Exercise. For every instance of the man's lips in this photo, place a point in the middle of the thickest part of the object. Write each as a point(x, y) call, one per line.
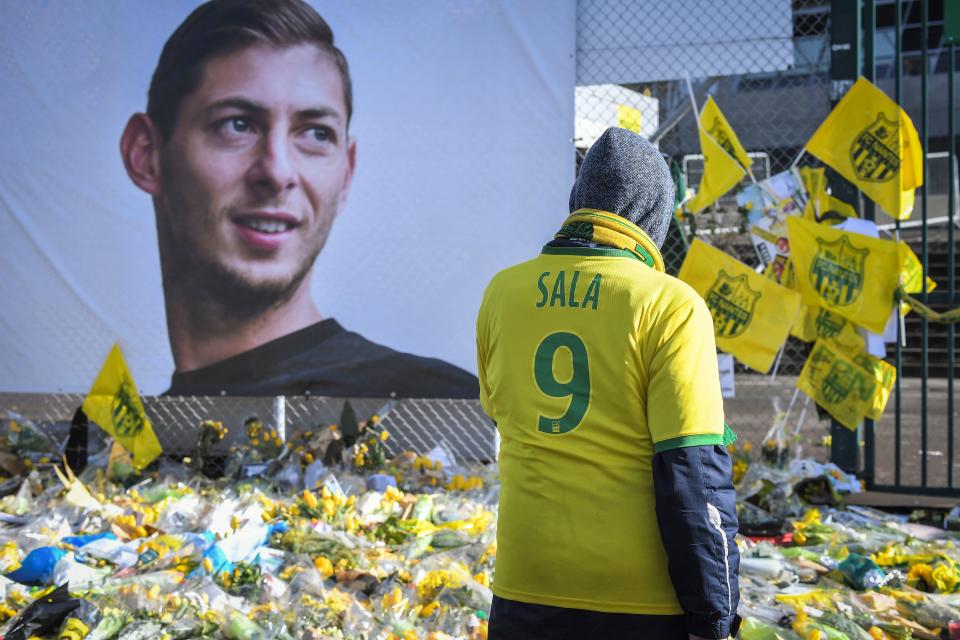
point(265, 230)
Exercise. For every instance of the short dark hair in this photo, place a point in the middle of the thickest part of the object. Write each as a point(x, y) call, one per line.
point(223, 26)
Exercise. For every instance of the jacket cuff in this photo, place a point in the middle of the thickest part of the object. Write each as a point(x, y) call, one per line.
point(713, 627)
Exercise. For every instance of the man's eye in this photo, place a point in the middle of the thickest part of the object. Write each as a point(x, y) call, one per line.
point(235, 126)
point(321, 134)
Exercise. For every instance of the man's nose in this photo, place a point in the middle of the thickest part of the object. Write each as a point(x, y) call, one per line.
point(274, 168)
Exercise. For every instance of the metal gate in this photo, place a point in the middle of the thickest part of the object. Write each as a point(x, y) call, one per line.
point(908, 48)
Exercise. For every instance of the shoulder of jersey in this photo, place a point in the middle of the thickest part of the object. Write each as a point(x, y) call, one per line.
point(506, 271)
point(667, 289)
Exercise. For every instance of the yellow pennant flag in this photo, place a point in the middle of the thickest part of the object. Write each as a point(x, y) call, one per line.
point(114, 404)
point(912, 279)
point(884, 375)
point(840, 208)
point(814, 323)
point(819, 202)
point(815, 182)
point(872, 142)
point(629, 118)
point(724, 158)
point(838, 384)
point(751, 314)
point(850, 274)
point(713, 121)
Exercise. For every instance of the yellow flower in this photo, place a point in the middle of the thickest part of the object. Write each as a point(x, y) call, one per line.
point(351, 523)
point(435, 581)
point(358, 460)
point(309, 499)
point(324, 566)
point(941, 577)
point(384, 435)
point(374, 419)
point(428, 609)
point(739, 469)
point(392, 599)
point(308, 457)
point(747, 447)
point(945, 578)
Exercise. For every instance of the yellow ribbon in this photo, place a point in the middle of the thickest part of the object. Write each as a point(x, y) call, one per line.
point(924, 311)
point(603, 227)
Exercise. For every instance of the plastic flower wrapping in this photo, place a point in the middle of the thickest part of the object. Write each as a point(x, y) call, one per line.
point(326, 536)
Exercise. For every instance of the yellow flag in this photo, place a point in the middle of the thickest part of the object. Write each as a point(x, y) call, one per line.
point(850, 274)
point(872, 142)
point(819, 202)
point(114, 404)
point(814, 323)
point(884, 375)
point(751, 314)
point(713, 121)
point(838, 384)
point(629, 118)
point(912, 279)
point(720, 174)
point(815, 182)
point(839, 207)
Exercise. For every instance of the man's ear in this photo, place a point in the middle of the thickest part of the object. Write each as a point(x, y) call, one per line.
point(348, 174)
point(140, 151)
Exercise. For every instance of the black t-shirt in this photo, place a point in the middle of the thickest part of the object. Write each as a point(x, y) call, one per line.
point(325, 359)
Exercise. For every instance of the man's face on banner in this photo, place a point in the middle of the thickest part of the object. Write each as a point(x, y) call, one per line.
point(257, 168)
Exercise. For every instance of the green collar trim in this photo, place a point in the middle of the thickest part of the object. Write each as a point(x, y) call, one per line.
point(645, 256)
point(608, 252)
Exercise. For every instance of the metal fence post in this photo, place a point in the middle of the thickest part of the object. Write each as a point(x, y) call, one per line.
point(845, 47)
point(280, 416)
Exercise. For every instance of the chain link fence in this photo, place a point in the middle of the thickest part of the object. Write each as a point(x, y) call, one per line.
point(766, 64)
point(418, 425)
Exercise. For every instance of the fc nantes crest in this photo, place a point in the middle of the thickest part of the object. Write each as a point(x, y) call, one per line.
point(829, 325)
point(836, 272)
point(842, 380)
point(731, 301)
point(127, 411)
point(875, 153)
point(719, 133)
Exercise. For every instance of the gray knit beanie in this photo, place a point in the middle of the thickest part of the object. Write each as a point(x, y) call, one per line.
point(624, 174)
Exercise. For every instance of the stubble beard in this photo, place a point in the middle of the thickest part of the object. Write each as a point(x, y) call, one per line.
point(218, 291)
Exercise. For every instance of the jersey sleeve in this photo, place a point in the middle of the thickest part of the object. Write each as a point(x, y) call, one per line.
point(684, 404)
point(482, 334)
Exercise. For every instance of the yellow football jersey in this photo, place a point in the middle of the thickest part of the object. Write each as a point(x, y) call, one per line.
point(589, 362)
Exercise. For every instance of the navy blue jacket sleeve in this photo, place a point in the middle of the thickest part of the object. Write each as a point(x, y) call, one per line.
point(696, 512)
